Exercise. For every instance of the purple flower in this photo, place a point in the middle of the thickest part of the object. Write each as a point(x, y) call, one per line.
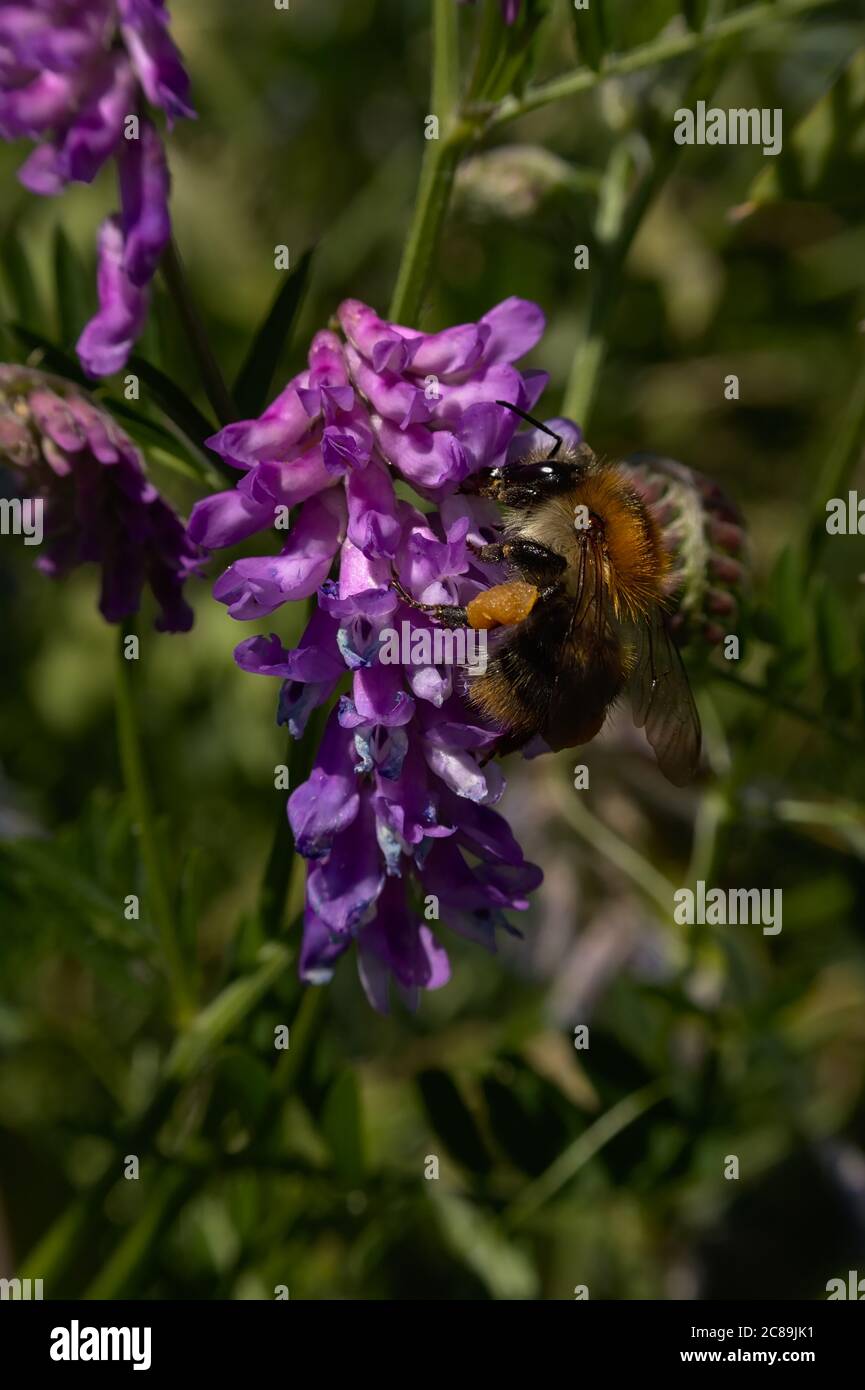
point(76, 78)
point(396, 820)
point(96, 503)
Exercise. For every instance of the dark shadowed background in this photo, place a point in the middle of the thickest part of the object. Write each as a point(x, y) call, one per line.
point(559, 1167)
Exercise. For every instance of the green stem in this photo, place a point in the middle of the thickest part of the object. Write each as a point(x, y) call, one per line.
point(135, 779)
point(617, 223)
point(212, 379)
point(445, 61)
point(617, 851)
point(815, 718)
point(582, 1150)
point(438, 169)
point(302, 1034)
point(170, 1188)
point(58, 1251)
point(614, 235)
point(647, 55)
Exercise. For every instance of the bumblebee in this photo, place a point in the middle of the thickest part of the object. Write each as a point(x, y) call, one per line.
point(584, 615)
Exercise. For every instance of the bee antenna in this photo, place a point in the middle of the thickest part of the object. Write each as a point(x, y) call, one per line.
point(530, 419)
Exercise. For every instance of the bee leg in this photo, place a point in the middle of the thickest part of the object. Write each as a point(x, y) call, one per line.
point(536, 561)
point(448, 614)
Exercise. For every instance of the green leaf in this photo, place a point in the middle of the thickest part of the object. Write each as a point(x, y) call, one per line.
point(837, 638)
point(72, 288)
point(252, 387)
point(453, 1121)
point(695, 12)
point(177, 406)
point(525, 1120)
point(177, 450)
point(787, 602)
point(20, 285)
point(591, 26)
point(823, 160)
point(60, 881)
point(497, 1261)
point(505, 54)
point(629, 25)
point(54, 359)
point(342, 1126)
point(245, 1082)
point(222, 1015)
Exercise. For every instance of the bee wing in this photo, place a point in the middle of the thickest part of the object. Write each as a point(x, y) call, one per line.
point(662, 701)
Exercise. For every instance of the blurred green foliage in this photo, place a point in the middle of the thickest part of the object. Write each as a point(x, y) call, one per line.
point(313, 1167)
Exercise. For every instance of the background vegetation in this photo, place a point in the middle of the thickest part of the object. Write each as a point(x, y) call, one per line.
point(559, 1167)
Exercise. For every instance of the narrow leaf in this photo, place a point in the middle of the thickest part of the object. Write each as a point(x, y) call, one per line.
point(18, 277)
point(695, 12)
point(71, 287)
point(342, 1126)
point(453, 1121)
point(177, 406)
point(54, 359)
point(839, 648)
point(224, 1013)
point(822, 160)
point(505, 1270)
point(252, 387)
point(592, 30)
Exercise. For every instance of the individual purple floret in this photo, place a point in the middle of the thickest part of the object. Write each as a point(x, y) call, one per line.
point(94, 500)
point(396, 820)
point(77, 77)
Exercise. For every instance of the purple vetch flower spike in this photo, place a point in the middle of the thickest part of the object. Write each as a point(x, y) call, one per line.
point(77, 79)
point(87, 479)
point(400, 772)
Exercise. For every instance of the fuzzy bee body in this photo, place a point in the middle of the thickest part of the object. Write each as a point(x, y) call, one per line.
point(567, 662)
point(584, 619)
point(544, 682)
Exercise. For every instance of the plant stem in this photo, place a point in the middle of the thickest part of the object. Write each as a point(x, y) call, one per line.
point(303, 1030)
point(617, 223)
point(647, 55)
point(816, 718)
point(55, 1254)
point(135, 778)
point(582, 1150)
point(617, 851)
point(614, 235)
point(445, 80)
point(169, 1190)
point(438, 169)
point(222, 1016)
point(57, 1251)
point(212, 379)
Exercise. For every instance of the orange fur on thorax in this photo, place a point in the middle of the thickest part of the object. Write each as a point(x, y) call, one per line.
point(636, 560)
